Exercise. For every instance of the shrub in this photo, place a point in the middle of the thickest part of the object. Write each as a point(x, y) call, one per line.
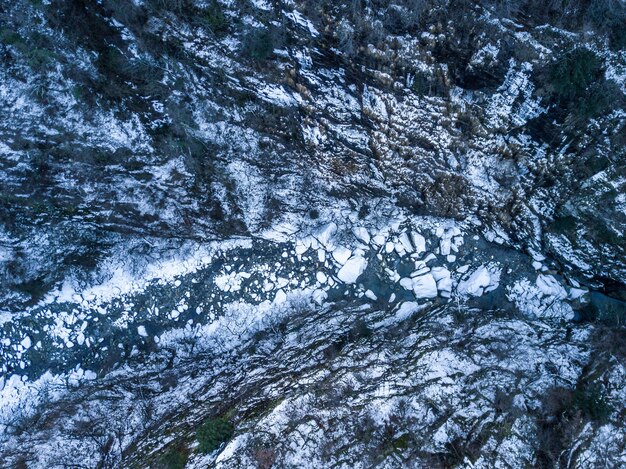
point(175, 458)
point(9, 37)
point(177, 6)
point(592, 404)
point(573, 73)
point(577, 84)
point(214, 18)
point(608, 16)
point(564, 224)
point(213, 433)
point(401, 17)
point(259, 44)
point(39, 59)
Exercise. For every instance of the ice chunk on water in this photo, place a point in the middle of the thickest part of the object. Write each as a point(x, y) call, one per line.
point(419, 242)
point(325, 233)
point(442, 277)
point(444, 247)
point(399, 248)
point(406, 243)
point(425, 286)
point(371, 295)
point(352, 269)
point(319, 296)
point(480, 281)
point(379, 240)
point(302, 246)
point(342, 254)
point(575, 293)
point(362, 234)
point(321, 255)
point(80, 338)
point(280, 297)
point(26, 342)
point(550, 286)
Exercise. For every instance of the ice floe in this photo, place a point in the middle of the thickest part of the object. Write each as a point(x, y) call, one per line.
point(352, 269)
point(481, 280)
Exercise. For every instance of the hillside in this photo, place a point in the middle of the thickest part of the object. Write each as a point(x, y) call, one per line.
point(253, 233)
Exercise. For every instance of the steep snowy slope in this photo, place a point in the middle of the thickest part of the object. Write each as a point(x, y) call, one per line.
point(355, 233)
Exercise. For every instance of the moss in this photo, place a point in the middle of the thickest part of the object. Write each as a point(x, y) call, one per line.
point(421, 85)
point(617, 37)
point(80, 92)
point(133, 165)
point(213, 433)
point(429, 84)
